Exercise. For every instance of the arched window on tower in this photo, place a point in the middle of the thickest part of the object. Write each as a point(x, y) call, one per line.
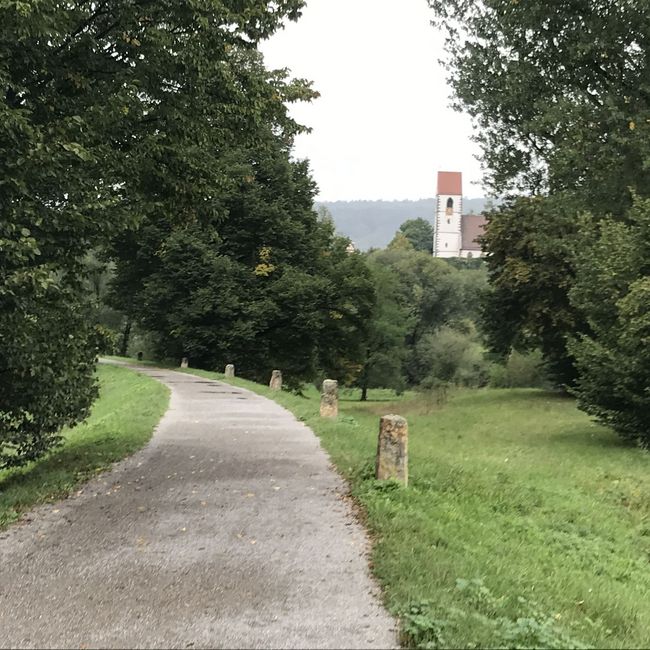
point(450, 206)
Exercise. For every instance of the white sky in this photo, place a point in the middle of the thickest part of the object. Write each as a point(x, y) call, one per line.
point(382, 127)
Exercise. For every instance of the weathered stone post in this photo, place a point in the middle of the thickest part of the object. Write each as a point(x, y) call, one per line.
point(276, 380)
point(185, 363)
point(329, 399)
point(392, 449)
point(230, 371)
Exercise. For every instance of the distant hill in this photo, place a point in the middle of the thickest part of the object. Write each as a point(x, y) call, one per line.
point(372, 224)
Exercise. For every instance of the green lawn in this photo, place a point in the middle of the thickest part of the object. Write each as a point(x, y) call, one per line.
point(122, 421)
point(524, 525)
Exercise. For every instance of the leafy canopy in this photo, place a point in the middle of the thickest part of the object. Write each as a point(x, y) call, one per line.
point(560, 93)
point(110, 112)
point(612, 288)
point(420, 233)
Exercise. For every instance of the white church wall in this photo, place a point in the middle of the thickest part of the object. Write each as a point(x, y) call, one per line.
point(447, 234)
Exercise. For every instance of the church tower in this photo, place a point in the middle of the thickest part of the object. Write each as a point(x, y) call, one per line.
point(447, 231)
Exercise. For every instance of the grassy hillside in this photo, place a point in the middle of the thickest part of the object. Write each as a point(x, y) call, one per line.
point(372, 224)
point(525, 525)
point(122, 421)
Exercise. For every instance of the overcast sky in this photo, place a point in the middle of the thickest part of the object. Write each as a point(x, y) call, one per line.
point(382, 127)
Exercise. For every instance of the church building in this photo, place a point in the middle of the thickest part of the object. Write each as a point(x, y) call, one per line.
point(455, 234)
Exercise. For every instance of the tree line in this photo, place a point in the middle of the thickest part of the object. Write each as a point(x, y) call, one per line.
point(148, 187)
point(142, 136)
point(560, 95)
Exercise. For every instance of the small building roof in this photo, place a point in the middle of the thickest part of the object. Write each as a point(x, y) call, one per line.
point(471, 228)
point(450, 183)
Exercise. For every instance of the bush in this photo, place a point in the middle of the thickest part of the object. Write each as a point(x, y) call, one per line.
point(520, 371)
point(453, 355)
point(47, 353)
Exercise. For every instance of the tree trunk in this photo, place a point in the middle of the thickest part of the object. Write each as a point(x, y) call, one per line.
point(126, 335)
point(364, 393)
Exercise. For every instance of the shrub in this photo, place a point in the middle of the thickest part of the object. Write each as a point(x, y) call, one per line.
point(519, 371)
point(47, 353)
point(453, 355)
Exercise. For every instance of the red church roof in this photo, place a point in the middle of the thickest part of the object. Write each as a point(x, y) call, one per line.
point(450, 183)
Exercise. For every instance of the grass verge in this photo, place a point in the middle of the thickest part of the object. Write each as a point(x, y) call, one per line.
point(525, 525)
point(122, 421)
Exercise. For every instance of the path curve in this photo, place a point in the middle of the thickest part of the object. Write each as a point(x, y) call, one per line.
point(229, 530)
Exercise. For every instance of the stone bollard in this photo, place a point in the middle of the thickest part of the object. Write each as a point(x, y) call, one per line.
point(329, 399)
point(276, 380)
point(185, 363)
point(230, 371)
point(392, 450)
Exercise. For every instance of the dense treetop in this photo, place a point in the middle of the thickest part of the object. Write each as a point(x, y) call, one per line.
point(560, 93)
point(111, 112)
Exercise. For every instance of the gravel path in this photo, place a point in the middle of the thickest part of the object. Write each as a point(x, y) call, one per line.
point(229, 530)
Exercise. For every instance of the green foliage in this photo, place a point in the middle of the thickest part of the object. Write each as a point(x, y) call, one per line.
point(527, 630)
point(416, 296)
point(532, 244)
point(558, 91)
point(386, 340)
point(122, 421)
point(519, 371)
point(613, 288)
point(106, 340)
point(400, 243)
point(420, 630)
point(269, 287)
point(452, 355)
point(420, 233)
point(47, 353)
point(110, 113)
point(560, 96)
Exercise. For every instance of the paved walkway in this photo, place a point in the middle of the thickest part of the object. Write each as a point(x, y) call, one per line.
point(228, 530)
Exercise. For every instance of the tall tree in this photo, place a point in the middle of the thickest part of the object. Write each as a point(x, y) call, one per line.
point(612, 288)
point(431, 293)
point(385, 347)
point(109, 112)
point(420, 233)
point(560, 93)
point(533, 243)
point(267, 285)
